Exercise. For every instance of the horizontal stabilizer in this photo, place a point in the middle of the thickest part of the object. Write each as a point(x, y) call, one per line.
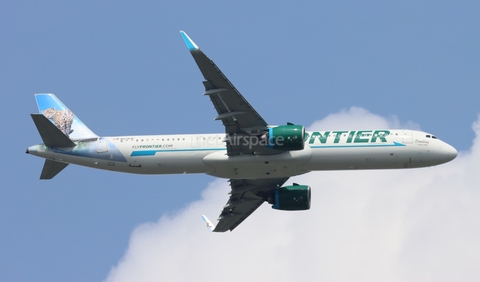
point(51, 135)
point(51, 168)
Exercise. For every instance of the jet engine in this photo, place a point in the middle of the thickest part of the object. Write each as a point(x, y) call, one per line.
point(288, 137)
point(291, 198)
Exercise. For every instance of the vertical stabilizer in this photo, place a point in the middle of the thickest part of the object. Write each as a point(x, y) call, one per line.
point(64, 119)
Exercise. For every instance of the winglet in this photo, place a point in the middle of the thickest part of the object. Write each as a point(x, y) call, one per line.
point(209, 224)
point(190, 44)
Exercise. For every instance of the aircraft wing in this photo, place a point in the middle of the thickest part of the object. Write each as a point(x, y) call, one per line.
point(236, 114)
point(245, 197)
point(239, 118)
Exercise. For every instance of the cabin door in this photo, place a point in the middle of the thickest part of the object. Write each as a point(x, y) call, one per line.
point(102, 145)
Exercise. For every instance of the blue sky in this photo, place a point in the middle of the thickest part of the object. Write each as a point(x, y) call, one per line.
point(123, 68)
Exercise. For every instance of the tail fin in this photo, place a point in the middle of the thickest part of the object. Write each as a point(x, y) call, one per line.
point(64, 119)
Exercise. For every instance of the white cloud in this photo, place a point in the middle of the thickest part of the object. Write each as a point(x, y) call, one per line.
point(356, 118)
point(395, 225)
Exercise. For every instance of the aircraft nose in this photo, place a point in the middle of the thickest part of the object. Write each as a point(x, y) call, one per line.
point(449, 152)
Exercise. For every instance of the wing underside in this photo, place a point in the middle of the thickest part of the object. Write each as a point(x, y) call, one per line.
point(245, 197)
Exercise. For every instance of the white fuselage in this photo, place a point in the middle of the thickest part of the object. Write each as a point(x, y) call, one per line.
point(206, 153)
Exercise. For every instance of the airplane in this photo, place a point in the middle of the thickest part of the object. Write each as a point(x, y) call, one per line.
point(256, 157)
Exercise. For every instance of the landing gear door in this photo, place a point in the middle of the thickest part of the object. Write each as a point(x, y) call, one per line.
point(102, 145)
point(407, 137)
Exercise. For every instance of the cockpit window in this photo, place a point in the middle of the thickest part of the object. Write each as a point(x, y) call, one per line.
point(428, 136)
point(434, 137)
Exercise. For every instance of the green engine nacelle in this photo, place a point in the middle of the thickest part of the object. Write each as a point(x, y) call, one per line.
point(292, 198)
point(286, 137)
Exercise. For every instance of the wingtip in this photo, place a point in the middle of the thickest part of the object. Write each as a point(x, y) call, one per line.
point(188, 41)
point(209, 224)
